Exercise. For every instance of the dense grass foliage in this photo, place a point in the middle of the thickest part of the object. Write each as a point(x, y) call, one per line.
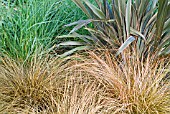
point(48, 85)
point(128, 73)
point(26, 26)
point(84, 85)
point(139, 87)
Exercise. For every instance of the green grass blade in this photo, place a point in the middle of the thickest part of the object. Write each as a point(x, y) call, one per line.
point(80, 5)
point(125, 45)
point(128, 17)
point(95, 10)
point(135, 32)
point(73, 51)
point(161, 17)
point(70, 43)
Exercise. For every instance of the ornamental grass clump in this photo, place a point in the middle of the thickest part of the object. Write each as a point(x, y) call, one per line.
point(95, 83)
point(33, 86)
point(50, 85)
point(140, 87)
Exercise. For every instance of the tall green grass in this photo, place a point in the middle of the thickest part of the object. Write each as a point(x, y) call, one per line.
point(28, 26)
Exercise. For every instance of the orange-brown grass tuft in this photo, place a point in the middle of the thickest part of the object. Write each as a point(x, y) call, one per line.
point(31, 86)
point(47, 85)
point(87, 85)
point(140, 87)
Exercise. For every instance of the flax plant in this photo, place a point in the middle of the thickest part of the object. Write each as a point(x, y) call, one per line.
point(117, 24)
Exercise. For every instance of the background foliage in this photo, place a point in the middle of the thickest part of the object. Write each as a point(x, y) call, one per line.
point(32, 24)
